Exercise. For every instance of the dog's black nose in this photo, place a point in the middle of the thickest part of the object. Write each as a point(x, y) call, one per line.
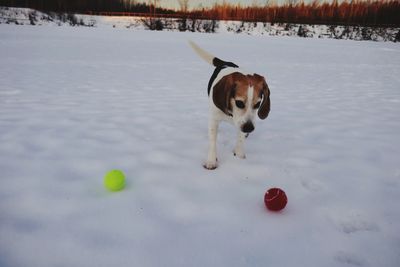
point(248, 127)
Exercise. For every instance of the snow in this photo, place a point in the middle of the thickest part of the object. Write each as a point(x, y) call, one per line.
point(77, 102)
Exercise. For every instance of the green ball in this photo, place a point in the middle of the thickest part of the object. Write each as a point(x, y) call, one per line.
point(114, 180)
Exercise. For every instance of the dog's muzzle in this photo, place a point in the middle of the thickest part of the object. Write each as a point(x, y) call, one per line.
point(248, 127)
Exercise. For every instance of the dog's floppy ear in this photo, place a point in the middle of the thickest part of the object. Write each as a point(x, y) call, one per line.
point(265, 107)
point(223, 91)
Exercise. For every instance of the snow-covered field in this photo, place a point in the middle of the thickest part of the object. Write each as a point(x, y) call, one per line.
point(77, 102)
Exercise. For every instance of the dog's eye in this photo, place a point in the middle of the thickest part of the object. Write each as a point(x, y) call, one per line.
point(239, 104)
point(256, 106)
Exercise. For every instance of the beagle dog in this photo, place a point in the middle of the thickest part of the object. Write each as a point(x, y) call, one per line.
point(235, 96)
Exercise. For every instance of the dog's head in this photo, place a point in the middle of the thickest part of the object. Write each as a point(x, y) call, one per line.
point(242, 96)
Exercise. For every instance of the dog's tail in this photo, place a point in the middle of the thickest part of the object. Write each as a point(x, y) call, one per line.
point(210, 58)
point(202, 53)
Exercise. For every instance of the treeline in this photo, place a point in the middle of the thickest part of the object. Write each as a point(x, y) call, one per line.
point(353, 12)
point(85, 6)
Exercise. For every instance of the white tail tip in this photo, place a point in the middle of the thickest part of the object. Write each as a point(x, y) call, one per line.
point(202, 53)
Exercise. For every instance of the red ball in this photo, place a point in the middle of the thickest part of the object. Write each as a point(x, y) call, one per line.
point(275, 199)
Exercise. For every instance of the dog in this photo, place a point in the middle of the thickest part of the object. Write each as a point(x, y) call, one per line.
point(235, 96)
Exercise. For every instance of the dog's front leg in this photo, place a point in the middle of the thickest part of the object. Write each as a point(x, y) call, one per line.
point(211, 162)
point(239, 150)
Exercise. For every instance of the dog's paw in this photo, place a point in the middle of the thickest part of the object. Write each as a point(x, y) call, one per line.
point(239, 153)
point(210, 165)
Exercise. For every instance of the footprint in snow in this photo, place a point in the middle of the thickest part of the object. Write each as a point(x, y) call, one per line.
point(348, 258)
point(312, 185)
point(355, 223)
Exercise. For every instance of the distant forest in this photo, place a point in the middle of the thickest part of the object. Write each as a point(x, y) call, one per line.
point(354, 12)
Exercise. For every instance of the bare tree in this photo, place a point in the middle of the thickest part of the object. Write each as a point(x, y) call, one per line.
point(129, 3)
point(153, 6)
point(184, 5)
